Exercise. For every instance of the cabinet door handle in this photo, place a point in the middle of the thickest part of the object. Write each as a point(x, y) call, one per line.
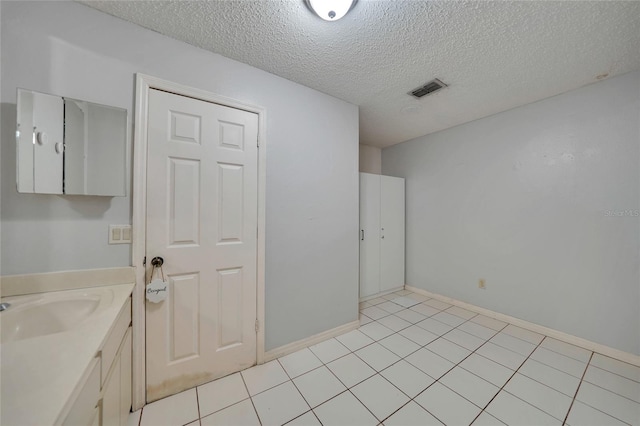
point(362, 235)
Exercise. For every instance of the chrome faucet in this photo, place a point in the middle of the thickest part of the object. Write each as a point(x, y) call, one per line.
point(4, 306)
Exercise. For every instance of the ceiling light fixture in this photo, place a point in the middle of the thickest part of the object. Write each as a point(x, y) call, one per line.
point(330, 10)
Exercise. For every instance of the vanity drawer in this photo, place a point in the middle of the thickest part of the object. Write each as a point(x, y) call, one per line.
point(112, 343)
point(83, 409)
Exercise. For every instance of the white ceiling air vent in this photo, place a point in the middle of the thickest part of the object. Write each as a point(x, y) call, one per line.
point(428, 88)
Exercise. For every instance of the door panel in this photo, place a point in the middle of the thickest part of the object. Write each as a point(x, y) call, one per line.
point(184, 316)
point(229, 307)
point(369, 234)
point(202, 219)
point(184, 187)
point(391, 233)
point(231, 186)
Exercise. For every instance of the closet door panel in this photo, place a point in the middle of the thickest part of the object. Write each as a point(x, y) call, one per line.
point(391, 233)
point(369, 234)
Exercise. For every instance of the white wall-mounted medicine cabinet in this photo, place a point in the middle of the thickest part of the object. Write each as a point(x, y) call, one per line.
point(69, 146)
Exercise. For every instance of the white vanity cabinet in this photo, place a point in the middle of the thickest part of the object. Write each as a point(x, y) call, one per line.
point(116, 394)
point(104, 398)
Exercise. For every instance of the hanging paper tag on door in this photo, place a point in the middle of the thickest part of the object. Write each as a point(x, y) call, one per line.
point(156, 291)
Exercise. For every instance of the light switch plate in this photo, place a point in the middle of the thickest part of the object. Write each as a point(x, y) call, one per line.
point(120, 234)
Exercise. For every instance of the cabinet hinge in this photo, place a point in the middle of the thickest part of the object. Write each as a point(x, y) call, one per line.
point(257, 326)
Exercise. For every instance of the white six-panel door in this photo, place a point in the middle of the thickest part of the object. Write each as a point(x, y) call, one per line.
point(202, 220)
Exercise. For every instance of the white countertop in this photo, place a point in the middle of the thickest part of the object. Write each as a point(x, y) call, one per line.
point(39, 375)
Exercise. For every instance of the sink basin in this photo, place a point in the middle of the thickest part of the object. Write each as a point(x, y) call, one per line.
point(49, 313)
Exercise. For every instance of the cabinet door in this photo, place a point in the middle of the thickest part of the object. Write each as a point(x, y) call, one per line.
point(391, 233)
point(116, 399)
point(84, 407)
point(125, 378)
point(96, 417)
point(48, 118)
point(111, 397)
point(369, 234)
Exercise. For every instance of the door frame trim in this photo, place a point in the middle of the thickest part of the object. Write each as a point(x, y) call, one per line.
point(139, 196)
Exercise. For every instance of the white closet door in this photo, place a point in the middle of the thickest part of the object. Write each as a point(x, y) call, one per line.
point(369, 234)
point(391, 233)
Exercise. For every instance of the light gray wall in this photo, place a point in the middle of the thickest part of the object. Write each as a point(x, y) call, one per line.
point(529, 199)
point(69, 49)
point(370, 159)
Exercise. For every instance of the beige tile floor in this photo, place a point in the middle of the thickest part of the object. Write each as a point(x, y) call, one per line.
point(417, 361)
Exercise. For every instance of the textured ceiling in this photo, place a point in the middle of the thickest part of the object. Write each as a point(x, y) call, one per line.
point(494, 55)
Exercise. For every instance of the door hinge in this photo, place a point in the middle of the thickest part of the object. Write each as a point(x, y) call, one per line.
point(257, 325)
point(144, 261)
point(258, 142)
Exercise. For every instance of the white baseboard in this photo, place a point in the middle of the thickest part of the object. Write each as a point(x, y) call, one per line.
point(565, 337)
point(310, 341)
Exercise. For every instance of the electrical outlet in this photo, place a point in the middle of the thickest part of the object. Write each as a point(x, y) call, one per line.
point(119, 234)
point(481, 283)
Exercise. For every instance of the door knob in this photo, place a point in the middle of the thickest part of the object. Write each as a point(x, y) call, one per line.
point(157, 262)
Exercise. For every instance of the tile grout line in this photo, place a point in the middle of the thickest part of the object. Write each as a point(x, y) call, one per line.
point(250, 398)
point(424, 347)
point(609, 390)
point(461, 361)
point(581, 379)
point(539, 344)
point(554, 368)
point(348, 389)
point(444, 336)
point(412, 399)
point(496, 332)
point(438, 336)
point(596, 385)
point(377, 341)
point(373, 341)
point(298, 389)
point(612, 392)
point(611, 372)
point(565, 355)
point(544, 384)
point(584, 373)
point(544, 337)
point(353, 352)
point(376, 372)
point(508, 380)
point(197, 404)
